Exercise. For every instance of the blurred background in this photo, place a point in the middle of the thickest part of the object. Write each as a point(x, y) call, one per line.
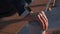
point(12, 24)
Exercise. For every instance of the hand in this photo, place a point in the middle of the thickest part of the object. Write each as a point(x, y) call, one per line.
point(43, 20)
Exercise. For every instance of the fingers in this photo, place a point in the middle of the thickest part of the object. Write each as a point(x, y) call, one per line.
point(43, 20)
point(44, 16)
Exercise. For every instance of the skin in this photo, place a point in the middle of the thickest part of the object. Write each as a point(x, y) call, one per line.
point(41, 17)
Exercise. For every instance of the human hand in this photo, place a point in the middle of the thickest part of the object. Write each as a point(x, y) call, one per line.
point(43, 20)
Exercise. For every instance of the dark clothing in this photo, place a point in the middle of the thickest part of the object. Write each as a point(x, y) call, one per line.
point(20, 5)
point(10, 7)
point(33, 27)
point(6, 8)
